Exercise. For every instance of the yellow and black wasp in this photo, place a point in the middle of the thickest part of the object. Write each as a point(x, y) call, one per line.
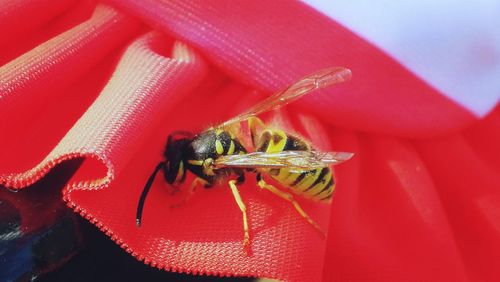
point(217, 154)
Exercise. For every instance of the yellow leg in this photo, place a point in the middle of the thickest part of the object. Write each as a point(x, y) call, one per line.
point(197, 181)
point(241, 205)
point(253, 122)
point(288, 197)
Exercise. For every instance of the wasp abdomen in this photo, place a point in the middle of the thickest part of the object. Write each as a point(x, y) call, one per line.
point(317, 184)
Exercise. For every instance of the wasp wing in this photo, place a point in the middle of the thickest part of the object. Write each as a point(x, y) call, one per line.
point(314, 81)
point(299, 160)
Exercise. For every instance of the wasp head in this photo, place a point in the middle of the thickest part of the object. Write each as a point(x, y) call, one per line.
point(174, 168)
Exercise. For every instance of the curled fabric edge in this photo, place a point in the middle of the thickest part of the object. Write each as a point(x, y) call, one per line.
point(106, 117)
point(144, 86)
point(132, 105)
point(28, 75)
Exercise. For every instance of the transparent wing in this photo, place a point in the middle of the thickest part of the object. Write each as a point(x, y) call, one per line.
point(320, 79)
point(300, 160)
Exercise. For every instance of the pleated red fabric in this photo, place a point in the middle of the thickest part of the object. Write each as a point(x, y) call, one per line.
point(108, 82)
point(269, 44)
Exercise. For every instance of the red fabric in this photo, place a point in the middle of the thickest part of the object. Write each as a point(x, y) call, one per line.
point(269, 44)
point(111, 90)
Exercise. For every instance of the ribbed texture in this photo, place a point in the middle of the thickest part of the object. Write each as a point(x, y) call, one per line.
point(269, 44)
point(127, 105)
point(68, 55)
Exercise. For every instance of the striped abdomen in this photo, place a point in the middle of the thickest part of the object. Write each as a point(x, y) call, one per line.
point(316, 184)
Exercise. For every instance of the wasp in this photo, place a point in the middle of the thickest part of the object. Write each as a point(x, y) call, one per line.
point(217, 154)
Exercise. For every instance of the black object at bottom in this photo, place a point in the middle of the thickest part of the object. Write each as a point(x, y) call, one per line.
point(103, 260)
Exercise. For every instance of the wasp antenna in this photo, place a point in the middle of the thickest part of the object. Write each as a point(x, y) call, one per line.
point(145, 192)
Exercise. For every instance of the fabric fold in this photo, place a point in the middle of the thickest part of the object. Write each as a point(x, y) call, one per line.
point(108, 131)
point(204, 235)
point(390, 200)
point(269, 44)
point(43, 76)
point(20, 17)
point(418, 197)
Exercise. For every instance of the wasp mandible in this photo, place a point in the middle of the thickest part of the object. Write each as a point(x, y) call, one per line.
point(217, 154)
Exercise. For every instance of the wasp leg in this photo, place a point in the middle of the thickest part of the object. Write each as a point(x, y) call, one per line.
point(288, 197)
point(253, 123)
point(241, 205)
point(197, 181)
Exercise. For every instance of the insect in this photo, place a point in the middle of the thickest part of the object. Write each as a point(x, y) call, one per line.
point(217, 154)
